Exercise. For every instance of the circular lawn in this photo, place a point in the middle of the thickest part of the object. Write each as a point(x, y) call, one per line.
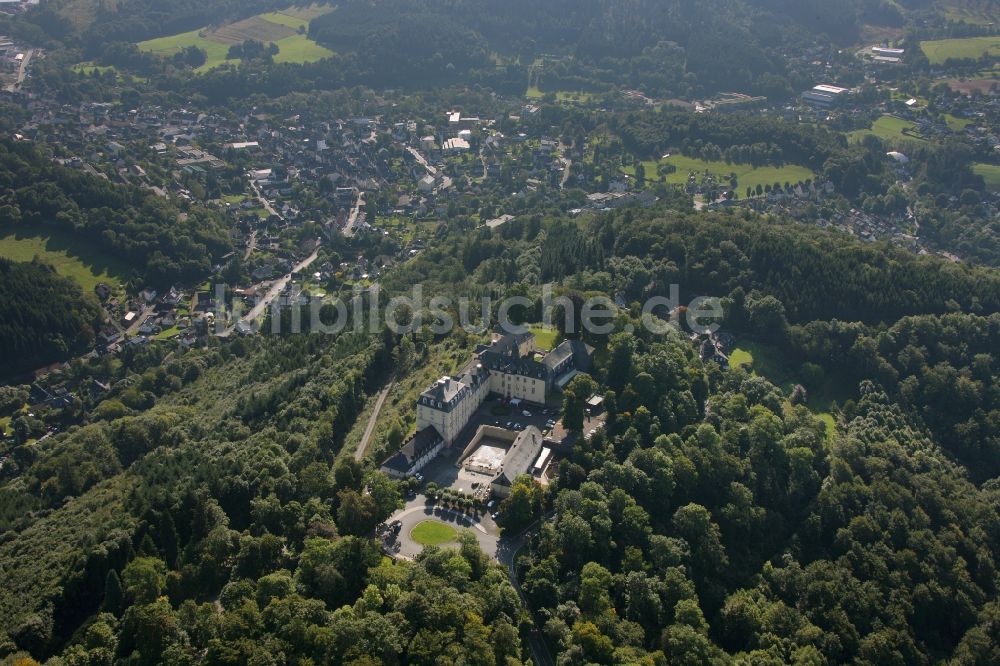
point(433, 533)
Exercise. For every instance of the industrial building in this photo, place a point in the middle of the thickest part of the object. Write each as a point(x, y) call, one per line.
point(824, 95)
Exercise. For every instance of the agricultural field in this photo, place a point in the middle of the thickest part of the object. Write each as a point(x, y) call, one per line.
point(281, 28)
point(71, 258)
point(746, 174)
point(983, 85)
point(938, 51)
point(990, 174)
point(887, 128)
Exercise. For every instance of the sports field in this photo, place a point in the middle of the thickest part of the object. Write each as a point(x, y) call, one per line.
point(70, 257)
point(940, 50)
point(281, 28)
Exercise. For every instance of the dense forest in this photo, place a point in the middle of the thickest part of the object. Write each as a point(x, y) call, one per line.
point(43, 317)
point(164, 244)
point(668, 49)
point(718, 45)
point(205, 508)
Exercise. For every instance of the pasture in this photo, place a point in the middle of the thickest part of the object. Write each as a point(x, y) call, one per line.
point(888, 128)
point(281, 28)
point(70, 256)
point(746, 174)
point(940, 50)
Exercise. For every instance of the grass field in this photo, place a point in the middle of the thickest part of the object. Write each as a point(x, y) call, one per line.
point(300, 49)
point(277, 27)
point(746, 175)
point(545, 338)
point(167, 46)
point(938, 51)
point(990, 174)
point(765, 361)
point(534, 92)
point(956, 124)
point(70, 257)
point(887, 128)
point(4, 424)
point(294, 17)
point(768, 362)
point(433, 533)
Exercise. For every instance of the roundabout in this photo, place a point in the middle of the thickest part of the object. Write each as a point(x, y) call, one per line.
point(423, 523)
point(433, 533)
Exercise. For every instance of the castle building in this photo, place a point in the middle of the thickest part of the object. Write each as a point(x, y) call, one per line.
point(510, 367)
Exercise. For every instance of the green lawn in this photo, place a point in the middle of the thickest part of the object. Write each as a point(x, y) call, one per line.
point(887, 128)
point(990, 174)
point(740, 358)
point(71, 257)
point(938, 51)
point(4, 424)
point(433, 533)
point(746, 174)
point(545, 338)
point(167, 333)
point(956, 124)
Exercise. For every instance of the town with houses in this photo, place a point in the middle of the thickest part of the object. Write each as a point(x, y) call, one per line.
point(295, 184)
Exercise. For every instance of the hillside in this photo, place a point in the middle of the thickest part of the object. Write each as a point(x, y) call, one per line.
point(132, 225)
point(647, 44)
point(43, 317)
